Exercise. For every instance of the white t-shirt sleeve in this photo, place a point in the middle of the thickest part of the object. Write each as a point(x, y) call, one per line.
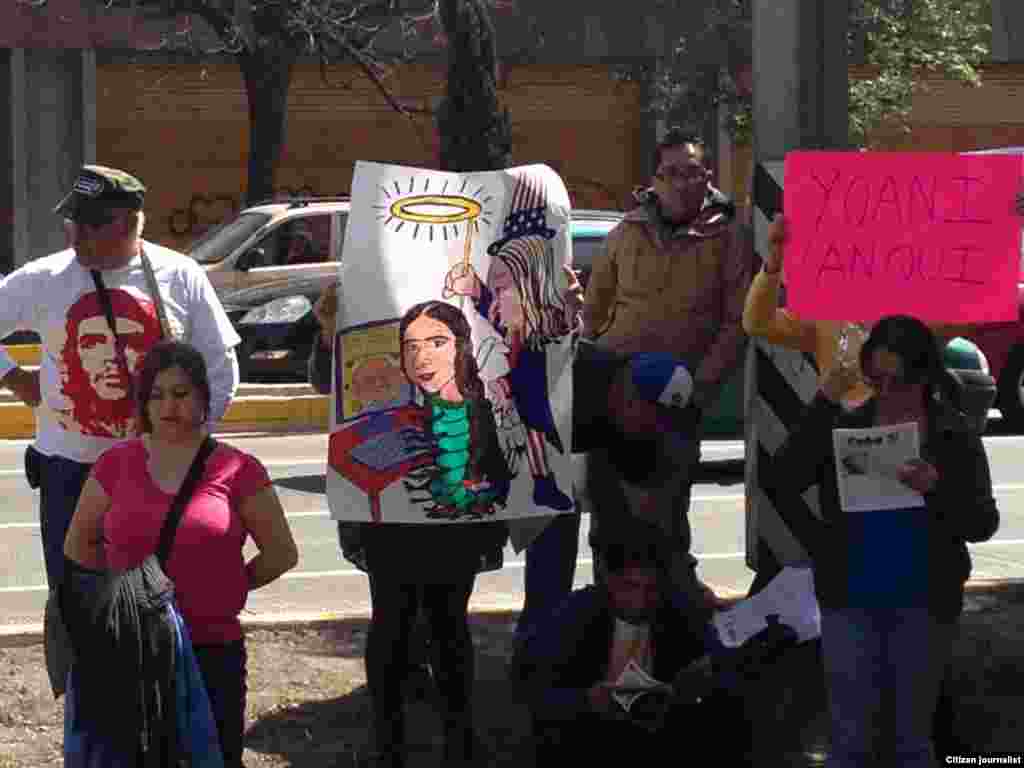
point(17, 298)
point(211, 332)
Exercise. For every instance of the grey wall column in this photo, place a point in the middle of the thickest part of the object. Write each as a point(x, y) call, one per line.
point(801, 101)
point(1007, 30)
point(51, 114)
point(6, 161)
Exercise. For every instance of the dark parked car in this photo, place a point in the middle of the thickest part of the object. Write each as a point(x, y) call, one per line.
point(277, 326)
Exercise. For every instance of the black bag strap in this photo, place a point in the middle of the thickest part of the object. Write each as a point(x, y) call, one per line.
point(188, 486)
point(108, 312)
point(154, 289)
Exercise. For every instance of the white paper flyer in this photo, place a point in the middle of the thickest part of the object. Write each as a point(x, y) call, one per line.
point(790, 596)
point(868, 463)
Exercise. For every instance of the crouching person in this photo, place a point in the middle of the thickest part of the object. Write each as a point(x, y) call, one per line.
point(573, 664)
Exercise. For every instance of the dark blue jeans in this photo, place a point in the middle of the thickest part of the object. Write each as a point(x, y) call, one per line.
point(224, 670)
point(550, 569)
point(60, 482)
point(882, 673)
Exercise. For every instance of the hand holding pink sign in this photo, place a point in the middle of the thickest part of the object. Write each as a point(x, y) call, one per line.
point(925, 234)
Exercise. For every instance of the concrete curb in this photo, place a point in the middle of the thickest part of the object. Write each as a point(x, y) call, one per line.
point(31, 634)
point(24, 354)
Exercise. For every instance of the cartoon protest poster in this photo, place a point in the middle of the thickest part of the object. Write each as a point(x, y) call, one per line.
point(452, 382)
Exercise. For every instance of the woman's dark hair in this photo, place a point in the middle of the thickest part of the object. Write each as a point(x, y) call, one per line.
point(918, 348)
point(165, 355)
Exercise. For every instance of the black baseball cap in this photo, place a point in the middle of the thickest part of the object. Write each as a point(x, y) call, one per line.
point(97, 188)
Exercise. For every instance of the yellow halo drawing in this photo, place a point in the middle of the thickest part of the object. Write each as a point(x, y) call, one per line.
point(436, 209)
point(416, 205)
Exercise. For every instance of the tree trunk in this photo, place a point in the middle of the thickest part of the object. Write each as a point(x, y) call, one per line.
point(267, 72)
point(475, 132)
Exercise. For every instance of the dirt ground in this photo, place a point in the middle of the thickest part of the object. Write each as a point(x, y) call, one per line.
point(308, 706)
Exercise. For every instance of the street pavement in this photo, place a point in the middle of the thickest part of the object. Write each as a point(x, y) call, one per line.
point(323, 585)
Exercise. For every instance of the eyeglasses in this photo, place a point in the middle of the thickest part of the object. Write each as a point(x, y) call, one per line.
point(889, 381)
point(687, 176)
point(92, 218)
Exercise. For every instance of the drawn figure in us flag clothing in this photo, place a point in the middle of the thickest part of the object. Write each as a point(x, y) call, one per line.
point(92, 378)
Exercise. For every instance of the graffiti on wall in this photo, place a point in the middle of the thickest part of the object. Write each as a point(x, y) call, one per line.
point(205, 210)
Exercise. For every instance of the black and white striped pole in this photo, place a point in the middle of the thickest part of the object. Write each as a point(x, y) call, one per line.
point(800, 102)
point(778, 383)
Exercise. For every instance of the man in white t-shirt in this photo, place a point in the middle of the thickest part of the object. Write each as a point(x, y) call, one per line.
point(82, 391)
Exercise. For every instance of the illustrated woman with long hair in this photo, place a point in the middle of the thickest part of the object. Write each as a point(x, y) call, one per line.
point(469, 474)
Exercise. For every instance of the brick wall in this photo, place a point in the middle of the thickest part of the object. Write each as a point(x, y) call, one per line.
point(183, 128)
point(948, 116)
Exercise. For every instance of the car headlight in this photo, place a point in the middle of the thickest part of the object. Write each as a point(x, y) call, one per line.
point(287, 309)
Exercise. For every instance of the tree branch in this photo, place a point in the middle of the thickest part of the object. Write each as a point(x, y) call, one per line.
point(367, 66)
point(219, 21)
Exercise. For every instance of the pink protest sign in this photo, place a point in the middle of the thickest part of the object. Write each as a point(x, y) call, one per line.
point(925, 234)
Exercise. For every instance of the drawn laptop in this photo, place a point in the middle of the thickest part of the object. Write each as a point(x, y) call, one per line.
point(387, 450)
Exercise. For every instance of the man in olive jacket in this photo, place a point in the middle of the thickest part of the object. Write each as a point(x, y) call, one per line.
point(672, 279)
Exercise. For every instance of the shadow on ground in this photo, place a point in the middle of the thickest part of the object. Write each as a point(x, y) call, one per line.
point(787, 707)
point(304, 483)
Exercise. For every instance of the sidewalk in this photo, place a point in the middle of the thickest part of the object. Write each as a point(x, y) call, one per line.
point(788, 704)
point(308, 705)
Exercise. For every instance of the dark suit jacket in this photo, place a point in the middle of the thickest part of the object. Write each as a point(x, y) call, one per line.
point(568, 652)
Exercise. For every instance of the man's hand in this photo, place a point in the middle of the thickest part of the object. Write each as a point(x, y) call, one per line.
point(633, 416)
point(24, 384)
point(574, 293)
point(919, 475)
point(777, 236)
point(713, 601)
point(599, 696)
point(326, 312)
point(840, 380)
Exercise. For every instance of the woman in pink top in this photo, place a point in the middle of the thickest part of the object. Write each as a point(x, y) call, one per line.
point(126, 498)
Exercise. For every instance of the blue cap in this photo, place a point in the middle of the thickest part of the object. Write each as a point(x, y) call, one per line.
point(661, 378)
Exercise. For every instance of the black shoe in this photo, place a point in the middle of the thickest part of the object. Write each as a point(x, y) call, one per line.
point(460, 747)
point(389, 737)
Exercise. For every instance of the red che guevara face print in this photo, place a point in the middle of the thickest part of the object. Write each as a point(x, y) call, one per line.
point(93, 381)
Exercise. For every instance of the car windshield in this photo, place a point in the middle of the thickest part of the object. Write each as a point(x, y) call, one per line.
point(224, 239)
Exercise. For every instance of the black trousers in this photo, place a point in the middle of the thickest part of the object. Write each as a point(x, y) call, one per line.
point(387, 649)
point(224, 669)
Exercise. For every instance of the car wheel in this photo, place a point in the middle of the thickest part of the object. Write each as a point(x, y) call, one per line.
point(1011, 390)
